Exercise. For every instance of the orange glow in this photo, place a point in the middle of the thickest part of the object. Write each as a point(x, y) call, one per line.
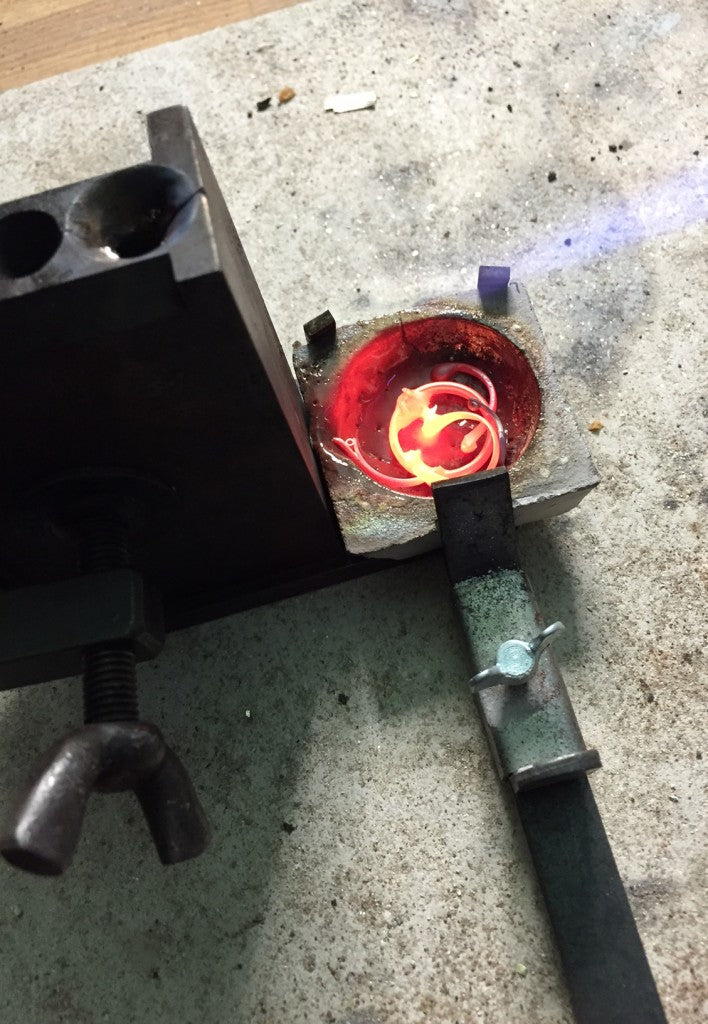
point(416, 416)
point(413, 405)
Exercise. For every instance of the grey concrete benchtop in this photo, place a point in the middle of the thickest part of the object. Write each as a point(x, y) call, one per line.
point(568, 139)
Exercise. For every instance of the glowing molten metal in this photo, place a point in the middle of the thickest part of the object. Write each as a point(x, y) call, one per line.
point(419, 434)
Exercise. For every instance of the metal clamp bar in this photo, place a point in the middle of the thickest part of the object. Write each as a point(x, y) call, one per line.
point(532, 729)
point(45, 629)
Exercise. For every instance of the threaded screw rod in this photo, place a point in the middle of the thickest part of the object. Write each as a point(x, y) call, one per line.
point(110, 677)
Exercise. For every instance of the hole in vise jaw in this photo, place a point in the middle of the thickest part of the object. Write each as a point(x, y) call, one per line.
point(28, 240)
point(134, 211)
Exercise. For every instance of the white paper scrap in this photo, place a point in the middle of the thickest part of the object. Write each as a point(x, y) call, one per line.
point(343, 102)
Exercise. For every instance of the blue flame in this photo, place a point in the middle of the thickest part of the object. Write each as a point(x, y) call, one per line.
point(665, 208)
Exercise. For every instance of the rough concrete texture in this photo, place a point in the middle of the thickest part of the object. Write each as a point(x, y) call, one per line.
point(399, 891)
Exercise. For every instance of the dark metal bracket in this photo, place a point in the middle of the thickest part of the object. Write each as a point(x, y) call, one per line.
point(531, 726)
point(44, 630)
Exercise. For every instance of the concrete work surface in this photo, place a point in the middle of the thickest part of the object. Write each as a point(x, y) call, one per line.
point(366, 865)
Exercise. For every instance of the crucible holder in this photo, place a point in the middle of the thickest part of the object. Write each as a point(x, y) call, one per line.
point(550, 476)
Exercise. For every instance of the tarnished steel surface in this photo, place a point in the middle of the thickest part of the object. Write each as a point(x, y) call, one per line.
point(44, 829)
point(551, 477)
point(532, 728)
